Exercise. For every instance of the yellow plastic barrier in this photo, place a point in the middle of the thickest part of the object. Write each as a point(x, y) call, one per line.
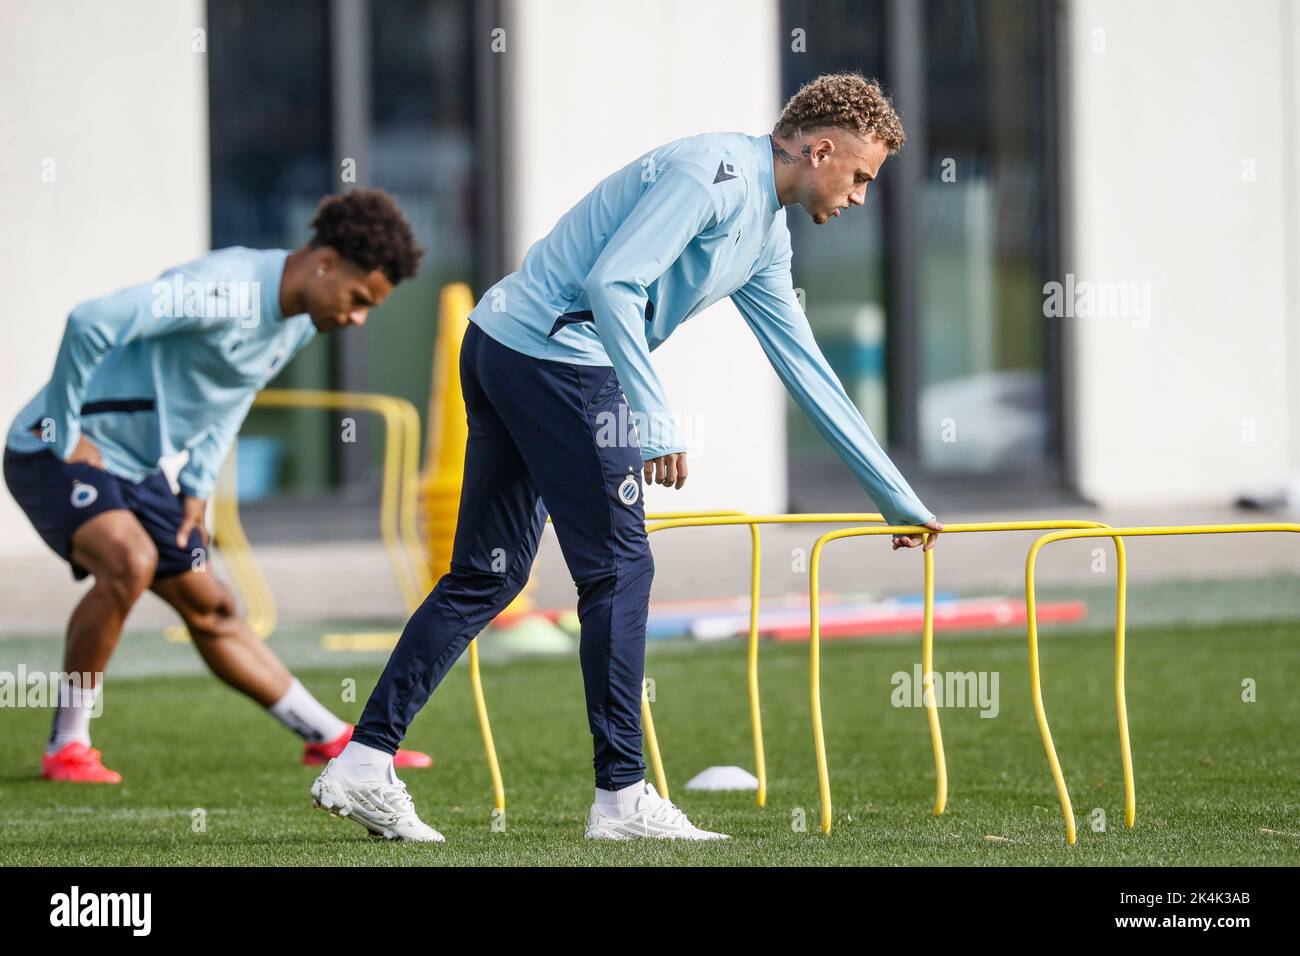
point(1090, 529)
point(229, 533)
point(397, 497)
point(705, 519)
point(396, 507)
point(1035, 680)
point(647, 716)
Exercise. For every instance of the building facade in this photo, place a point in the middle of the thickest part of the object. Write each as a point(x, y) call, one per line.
point(1078, 279)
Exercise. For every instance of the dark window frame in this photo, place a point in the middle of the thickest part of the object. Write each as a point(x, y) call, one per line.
point(905, 76)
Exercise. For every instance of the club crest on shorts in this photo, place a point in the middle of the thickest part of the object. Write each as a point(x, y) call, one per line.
point(83, 495)
point(629, 491)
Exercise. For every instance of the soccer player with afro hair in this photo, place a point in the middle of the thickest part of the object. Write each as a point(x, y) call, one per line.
point(166, 371)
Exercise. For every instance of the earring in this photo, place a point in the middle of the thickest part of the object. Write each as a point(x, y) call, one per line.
point(320, 272)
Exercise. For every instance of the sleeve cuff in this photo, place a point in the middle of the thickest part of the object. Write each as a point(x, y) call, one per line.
point(67, 445)
point(192, 490)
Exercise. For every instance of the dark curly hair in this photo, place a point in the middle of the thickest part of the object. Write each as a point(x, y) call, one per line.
point(845, 100)
point(365, 227)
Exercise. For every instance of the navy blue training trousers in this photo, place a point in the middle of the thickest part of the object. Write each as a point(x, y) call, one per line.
point(542, 436)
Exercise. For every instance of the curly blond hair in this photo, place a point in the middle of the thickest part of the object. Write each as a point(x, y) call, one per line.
point(848, 101)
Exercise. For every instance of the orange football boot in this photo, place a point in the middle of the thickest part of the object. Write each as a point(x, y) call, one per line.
point(77, 763)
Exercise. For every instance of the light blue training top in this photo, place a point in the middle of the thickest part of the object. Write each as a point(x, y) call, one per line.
point(658, 241)
point(167, 366)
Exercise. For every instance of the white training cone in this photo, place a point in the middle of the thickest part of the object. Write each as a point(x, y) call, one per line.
point(723, 778)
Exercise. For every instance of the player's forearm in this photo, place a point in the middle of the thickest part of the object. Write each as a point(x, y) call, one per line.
point(199, 475)
point(819, 392)
point(770, 309)
point(880, 478)
point(615, 308)
point(814, 386)
point(197, 483)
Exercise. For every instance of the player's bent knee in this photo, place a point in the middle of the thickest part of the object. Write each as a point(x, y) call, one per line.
point(642, 566)
point(215, 616)
point(128, 569)
point(465, 587)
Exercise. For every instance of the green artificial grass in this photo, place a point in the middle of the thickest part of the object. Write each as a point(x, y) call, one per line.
point(1215, 775)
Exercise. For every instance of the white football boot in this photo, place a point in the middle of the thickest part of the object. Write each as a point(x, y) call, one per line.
point(385, 809)
point(654, 818)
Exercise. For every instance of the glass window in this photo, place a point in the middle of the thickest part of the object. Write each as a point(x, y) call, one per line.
point(840, 266)
point(972, 232)
point(271, 148)
point(983, 404)
point(284, 78)
point(422, 151)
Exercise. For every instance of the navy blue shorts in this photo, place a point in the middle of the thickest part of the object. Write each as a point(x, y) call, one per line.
point(58, 497)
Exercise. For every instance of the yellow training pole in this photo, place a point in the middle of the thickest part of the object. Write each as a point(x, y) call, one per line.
point(1121, 695)
point(485, 729)
point(1035, 683)
point(819, 740)
point(1036, 695)
point(652, 742)
point(228, 534)
point(409, 500)
point(815, 670)
point(751, 666)
point(927, 683)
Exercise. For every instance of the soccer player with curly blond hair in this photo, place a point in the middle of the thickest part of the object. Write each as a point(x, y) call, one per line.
point(166, 371)
point(557, 359)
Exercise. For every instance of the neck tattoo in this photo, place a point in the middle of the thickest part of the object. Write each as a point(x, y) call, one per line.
point(781, 156)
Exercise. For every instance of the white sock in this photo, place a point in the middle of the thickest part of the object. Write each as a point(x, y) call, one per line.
point(306, 716)
point(71, 715)
point(619, 803)
point(366, 763)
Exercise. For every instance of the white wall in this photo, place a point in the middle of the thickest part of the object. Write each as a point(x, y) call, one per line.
point(593, 85)
point(1166, 120)
point(1290, 38)
point(113, 95)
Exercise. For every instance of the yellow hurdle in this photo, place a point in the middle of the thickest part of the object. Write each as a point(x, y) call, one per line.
point(229, 533)
point(396, 506)
point(1093, 529)
point(647, 715)
point(665, 521)
point(403, 546)
point(1035, 681)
